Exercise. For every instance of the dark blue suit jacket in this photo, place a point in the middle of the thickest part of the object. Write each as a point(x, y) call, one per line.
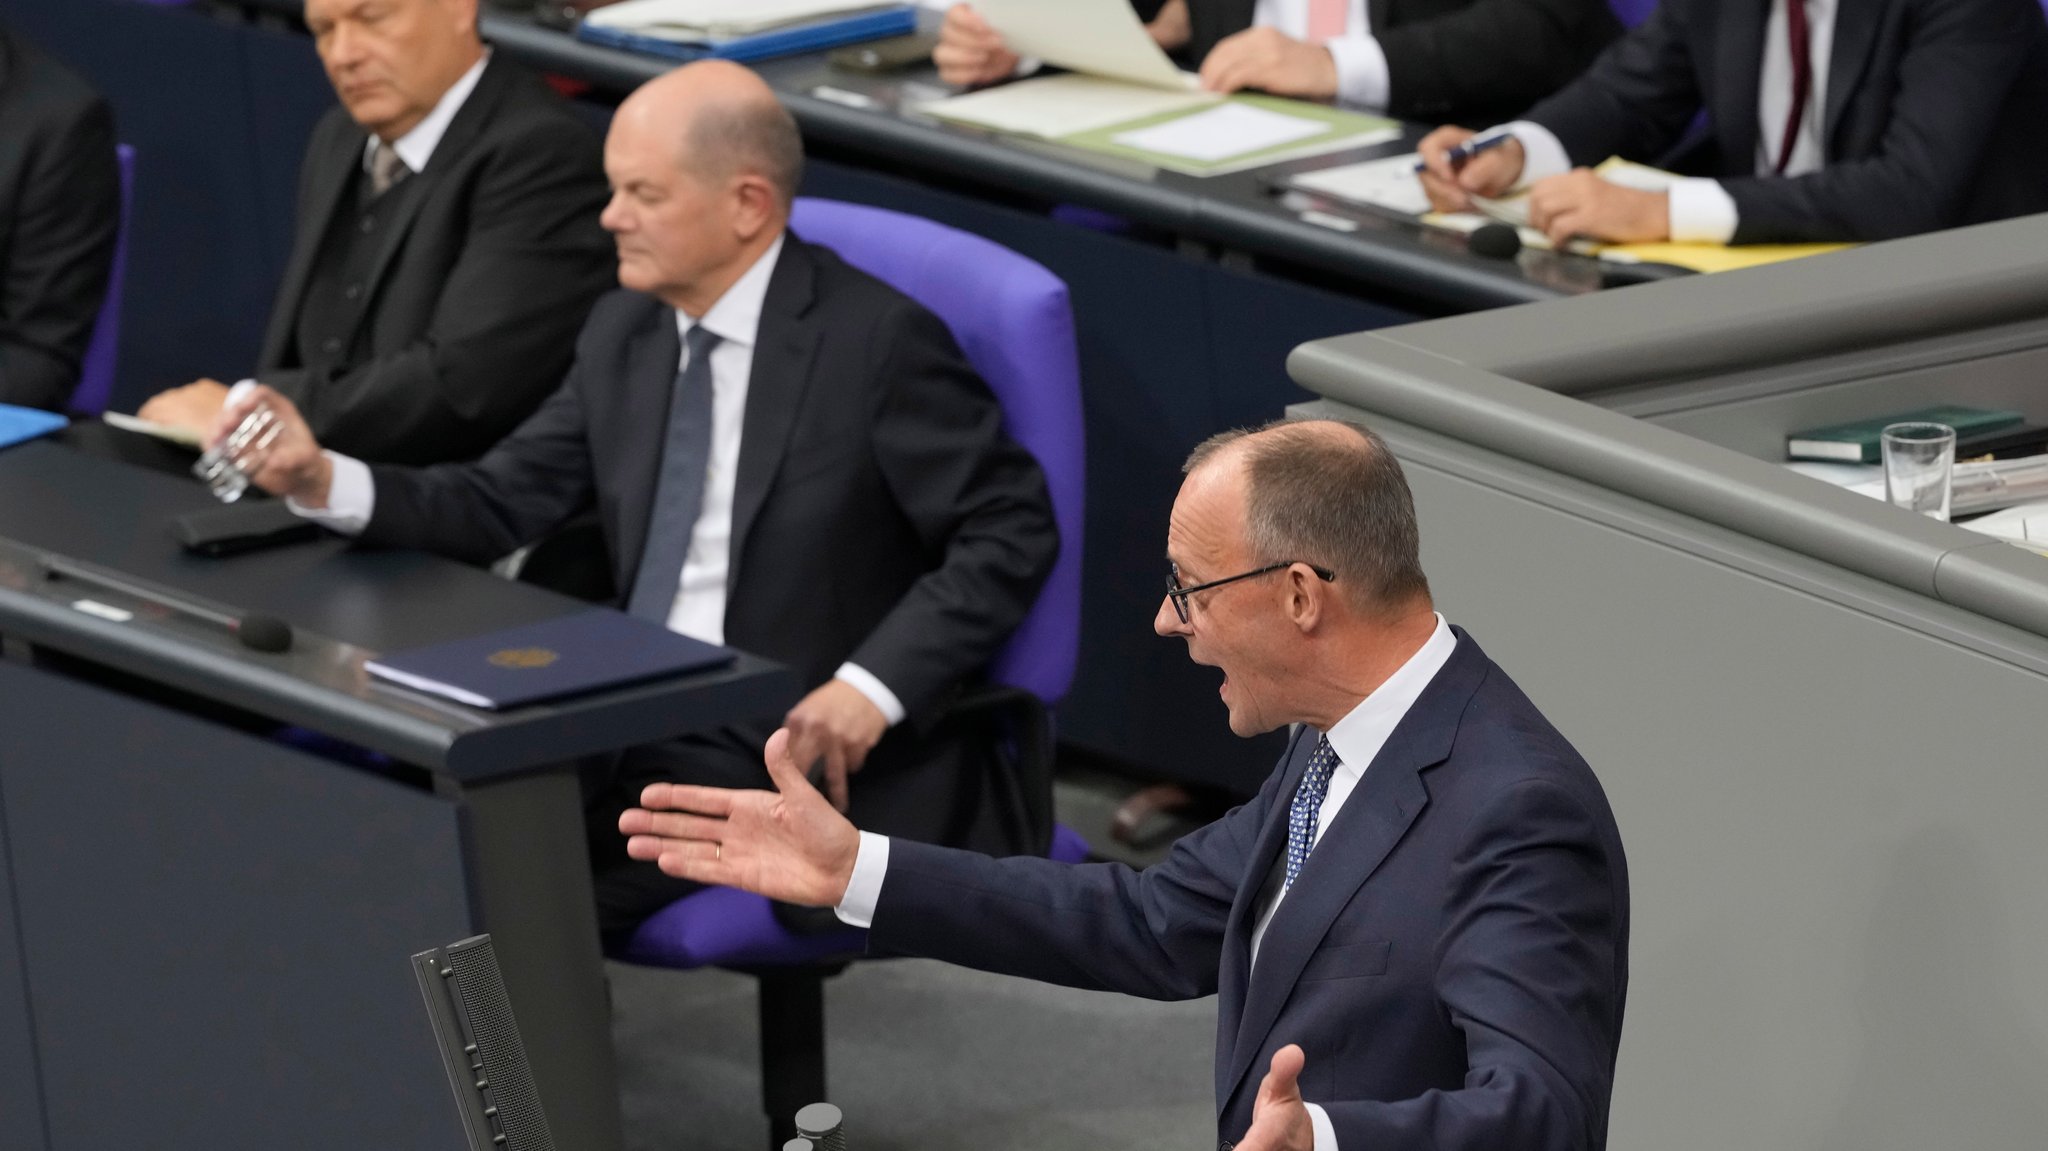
point(1453, 958)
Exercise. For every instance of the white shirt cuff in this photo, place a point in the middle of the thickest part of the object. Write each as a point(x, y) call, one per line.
point(863, 891)
point(1361, 70)
point(1326, 1135)
point(1543, 155)
point(863, 681)
point(351, 497)
point(1702, 211)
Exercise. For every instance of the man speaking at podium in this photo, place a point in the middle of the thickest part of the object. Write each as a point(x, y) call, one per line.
point(1417, 930)
point(785, 454)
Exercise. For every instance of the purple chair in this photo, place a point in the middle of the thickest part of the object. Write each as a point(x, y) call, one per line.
point(1634, 12)
point(1015, 325)
point(96, 371)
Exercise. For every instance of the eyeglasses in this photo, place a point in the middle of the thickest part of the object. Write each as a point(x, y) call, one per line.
point(1179, 595)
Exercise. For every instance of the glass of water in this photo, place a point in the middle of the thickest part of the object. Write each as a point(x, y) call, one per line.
point(1919, 467)
point(226, 466)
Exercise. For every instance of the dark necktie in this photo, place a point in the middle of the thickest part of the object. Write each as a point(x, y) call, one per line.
point(1802, 78)
point(386, 169)
point(1308, 808)
point(679, 493)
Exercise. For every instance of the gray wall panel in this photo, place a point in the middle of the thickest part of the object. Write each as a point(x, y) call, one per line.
point(1830, 794)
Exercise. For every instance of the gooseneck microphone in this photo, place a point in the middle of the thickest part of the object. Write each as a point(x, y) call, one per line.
point(1495, 241)
point(256, 631)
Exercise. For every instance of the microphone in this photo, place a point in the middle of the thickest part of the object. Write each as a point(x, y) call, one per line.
point(822, 1124)
point(255, 630)
point(1495, 241)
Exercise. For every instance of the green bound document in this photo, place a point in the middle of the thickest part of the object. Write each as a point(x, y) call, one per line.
point(1857, 441)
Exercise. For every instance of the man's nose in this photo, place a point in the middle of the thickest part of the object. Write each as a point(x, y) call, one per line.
point(1166, 621)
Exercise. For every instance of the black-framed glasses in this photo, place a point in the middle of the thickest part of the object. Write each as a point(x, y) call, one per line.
point(1179, 595)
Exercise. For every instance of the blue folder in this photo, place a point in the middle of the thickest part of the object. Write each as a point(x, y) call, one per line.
point(811, 37)
point(572, 654)
point(18, 424)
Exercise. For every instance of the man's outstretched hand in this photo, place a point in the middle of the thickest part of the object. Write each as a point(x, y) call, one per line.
point(788, 844)
point(1280, 1120)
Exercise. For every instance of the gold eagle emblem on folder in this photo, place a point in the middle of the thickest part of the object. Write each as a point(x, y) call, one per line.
point(524, 657)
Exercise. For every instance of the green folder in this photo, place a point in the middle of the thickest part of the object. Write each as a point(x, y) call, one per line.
point(1347, 129)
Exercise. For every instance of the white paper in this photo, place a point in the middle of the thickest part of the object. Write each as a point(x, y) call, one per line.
point(1101, 37)
point(1055, 106)
point(721, 18)
point(1222, 132)
point(169, 433)
point(1388, 183)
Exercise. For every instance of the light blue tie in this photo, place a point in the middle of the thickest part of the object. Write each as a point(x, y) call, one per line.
point(679, 493)
point(1308, 808)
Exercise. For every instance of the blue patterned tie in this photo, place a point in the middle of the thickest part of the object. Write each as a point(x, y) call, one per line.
point(1307, 808)
point(679, 493)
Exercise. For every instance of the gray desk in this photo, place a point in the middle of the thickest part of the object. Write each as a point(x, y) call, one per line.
point(208, 924)
point(1819, 717)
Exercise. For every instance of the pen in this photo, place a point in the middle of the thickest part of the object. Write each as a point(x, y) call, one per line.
point(1458, 154)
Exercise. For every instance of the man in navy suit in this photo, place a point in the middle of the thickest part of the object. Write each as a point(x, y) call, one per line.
point(1418, 928)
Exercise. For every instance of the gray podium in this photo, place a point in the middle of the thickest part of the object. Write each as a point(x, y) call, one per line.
point(205, 920)
point(1821, 719)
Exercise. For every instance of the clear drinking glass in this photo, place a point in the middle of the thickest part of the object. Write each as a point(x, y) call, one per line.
point(226, 466)
point(1919, 466)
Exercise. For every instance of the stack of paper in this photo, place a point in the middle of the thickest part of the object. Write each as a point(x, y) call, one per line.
point(720, 19)
point(1100, 37)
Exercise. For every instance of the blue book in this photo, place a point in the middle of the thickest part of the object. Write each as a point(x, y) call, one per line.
point(581, 652)
point(18, 424)
point(812, 37)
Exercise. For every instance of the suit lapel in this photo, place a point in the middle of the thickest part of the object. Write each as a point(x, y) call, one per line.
point(1372, 821)
point(785, 346)
point(398, 218)
point(1739, 54)
point(1856, 27)
point(327, 188)
point(652, 356)
point(1235, 966)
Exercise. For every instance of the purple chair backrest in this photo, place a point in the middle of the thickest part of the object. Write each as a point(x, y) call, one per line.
point(1634, 12)
point(1013, 321)
point(96, 370)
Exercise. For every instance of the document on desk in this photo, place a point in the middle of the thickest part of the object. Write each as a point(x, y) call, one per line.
point(1389, 184)
point(1100, 37)
point(1222, 133)
point(1054, 106)
point(719, 19)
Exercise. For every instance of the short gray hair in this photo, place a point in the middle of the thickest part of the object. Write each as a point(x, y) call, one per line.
point(1337, 501)
point(748, 135)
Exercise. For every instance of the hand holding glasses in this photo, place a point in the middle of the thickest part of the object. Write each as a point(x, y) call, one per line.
point(227, 466)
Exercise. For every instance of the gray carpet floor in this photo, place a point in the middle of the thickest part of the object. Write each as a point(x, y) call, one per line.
point(921, 1056)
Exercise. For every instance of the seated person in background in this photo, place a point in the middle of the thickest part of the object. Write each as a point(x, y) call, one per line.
point(1417, 931)
point(786, 455)
point(1824, 120)
point(1464, 60)
point(448, 246)
point(60, 214)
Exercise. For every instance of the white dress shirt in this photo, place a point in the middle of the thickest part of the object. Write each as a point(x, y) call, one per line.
point(1357, 740)
point(699, 608)
point(1361, 63)
point(1701, 209)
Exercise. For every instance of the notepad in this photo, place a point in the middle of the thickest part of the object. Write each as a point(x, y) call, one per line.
point(569, 655)
point(1388, 183)
point(1222, 133)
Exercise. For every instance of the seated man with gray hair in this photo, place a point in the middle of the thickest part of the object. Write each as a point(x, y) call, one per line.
point(785, 455)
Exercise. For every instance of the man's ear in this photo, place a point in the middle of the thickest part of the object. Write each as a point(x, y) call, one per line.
point(755, 207)
point(1307, 598)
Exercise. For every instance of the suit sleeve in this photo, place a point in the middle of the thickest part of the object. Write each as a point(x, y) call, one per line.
point(531, 265)
point(1959, 66)
point(1495, 55)
point(976, 500)
point(1636, 101)
point(1528, 967)
point(60, 254)
point(523, 489)
point(1156, 933)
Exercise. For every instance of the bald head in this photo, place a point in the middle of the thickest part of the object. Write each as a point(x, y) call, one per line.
point(1328, 493)
point(723, 121)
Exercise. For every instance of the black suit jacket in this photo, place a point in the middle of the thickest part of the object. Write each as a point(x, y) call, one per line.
point(880, 514)
point(1452, 959)
point(1468, 61)
point(60, 214)
point(478, 287)
point(1932, 116)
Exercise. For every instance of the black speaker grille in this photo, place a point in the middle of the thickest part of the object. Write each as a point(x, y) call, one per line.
point(508, 1082)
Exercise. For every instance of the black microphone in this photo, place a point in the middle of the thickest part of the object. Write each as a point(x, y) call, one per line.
point(260, 632)
point(1495, 241)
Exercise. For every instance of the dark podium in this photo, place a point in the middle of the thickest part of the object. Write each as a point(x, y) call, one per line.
point(208, 895)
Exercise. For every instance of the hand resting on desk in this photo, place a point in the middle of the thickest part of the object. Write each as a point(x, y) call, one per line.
point(1573, 205)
